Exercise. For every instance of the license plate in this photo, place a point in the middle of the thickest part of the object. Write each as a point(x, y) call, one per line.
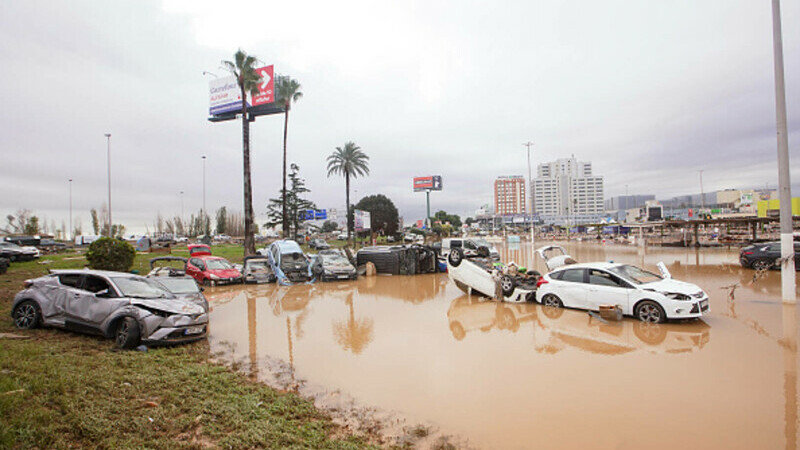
point(703, 305)
point(194, 330)
point(343, 277)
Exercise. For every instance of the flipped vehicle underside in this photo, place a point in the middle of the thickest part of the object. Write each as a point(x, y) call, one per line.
point(481, 274)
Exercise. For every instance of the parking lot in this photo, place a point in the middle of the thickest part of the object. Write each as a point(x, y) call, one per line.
point(512, 376)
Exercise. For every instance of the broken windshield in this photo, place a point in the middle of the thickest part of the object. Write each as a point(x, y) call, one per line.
point(635, 274)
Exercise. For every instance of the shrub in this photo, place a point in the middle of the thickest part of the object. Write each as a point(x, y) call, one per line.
point(111, 254)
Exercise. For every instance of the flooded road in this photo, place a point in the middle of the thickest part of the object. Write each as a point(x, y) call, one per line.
point(522, 376)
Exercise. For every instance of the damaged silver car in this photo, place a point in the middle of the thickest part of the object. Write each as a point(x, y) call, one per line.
point(129, 308)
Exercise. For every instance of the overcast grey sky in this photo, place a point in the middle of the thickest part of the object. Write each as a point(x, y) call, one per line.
point(648, 91)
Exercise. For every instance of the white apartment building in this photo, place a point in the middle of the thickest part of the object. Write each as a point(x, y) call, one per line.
point(566, 191)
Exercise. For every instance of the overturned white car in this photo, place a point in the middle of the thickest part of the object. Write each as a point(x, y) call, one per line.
point(482, 275)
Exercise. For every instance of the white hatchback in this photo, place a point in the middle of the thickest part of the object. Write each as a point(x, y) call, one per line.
point(641, 294)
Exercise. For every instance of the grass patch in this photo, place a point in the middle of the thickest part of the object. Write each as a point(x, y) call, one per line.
point(60, 389)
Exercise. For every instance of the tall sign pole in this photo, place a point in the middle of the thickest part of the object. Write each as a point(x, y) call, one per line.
point(428, 217)
point(71, 230)
point(784, 181)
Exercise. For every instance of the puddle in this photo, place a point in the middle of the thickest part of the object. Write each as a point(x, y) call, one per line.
point(414, 360)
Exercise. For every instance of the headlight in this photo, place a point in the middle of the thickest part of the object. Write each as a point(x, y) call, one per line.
point(327, 272)
point(677, 296)
point(213, 277)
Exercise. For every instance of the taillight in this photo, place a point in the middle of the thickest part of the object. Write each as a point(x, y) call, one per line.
point(541, 282)
point(747, 253)
point(28, 283)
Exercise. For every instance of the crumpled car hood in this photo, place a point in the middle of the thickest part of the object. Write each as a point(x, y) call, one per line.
point(680, 287)
point(172, 305)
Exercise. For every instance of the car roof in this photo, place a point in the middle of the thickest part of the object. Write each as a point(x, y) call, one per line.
point(104, 273)
point(590, 265)
point(287, 246)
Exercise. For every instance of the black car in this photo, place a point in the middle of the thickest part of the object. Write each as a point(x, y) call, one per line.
point(764, 255)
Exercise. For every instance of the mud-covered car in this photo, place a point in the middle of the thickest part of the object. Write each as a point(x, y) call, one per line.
point(208, 269)
point(288, 262)
point(14, 252)
point(256, 269)
point(329, 265)
point(175, 280)
point(129, 308)
point(483, 275)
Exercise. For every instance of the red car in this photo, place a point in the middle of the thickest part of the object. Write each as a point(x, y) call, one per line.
point(207, 269)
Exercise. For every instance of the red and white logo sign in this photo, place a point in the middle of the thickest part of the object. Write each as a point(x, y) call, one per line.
point(266, 87)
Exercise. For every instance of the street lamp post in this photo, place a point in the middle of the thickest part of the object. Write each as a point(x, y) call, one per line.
point(71, 236)
point(203, 212)
point(108, 140)
point(530, 187)
point(702, 195)
point(181, 206)
point(784, 180)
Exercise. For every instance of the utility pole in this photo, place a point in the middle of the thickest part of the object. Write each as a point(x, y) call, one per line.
point(784, 181)
point(108, 140)
point(71, 236)
point(530, 187)
point(702, 196)
point(181, 206)
point(203, 212)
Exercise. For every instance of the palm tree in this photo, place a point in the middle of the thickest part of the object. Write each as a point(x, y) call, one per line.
point(287, 90)
point(348, 161)
point(242, 67)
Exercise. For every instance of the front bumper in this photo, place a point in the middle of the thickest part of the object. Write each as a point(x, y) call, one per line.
point(689, 309)
point(336, 276)
point(174, 335)
point(224, 281)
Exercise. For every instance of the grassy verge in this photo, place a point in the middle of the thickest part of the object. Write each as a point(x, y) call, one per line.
point(60, 389)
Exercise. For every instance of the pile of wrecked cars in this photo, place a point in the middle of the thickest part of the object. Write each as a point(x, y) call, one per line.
point(613, 289)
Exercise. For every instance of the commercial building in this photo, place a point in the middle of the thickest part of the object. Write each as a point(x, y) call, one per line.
point(509, 195)
point(566, 191)
point(617, 207)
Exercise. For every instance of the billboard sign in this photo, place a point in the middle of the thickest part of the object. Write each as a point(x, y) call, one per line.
point(362, 220)
point(314, 214)
point(746, 199)
point(431, 183)
point(225, 96)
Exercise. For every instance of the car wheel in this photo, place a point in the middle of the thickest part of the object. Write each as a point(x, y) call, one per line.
point(650, 311)
point(27, 315)
point(206, 282)
point(455, 257)
point(552, 301)
point(762, 264)
point(127, 333)
point(508, 285)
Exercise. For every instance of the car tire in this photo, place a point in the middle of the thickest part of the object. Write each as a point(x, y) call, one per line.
point(455, 257)
point(762, 264)
point(649, 311)
point(507, 285)
point(27, 315)
point(206, 282)
point(127, 333)
point(552, 301)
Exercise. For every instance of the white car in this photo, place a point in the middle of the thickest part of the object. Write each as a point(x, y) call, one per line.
point(641, 294)
point(480, 275)
point(469, 245)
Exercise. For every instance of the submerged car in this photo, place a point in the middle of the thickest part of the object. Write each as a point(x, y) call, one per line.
point(765, 255)
point(288, 262)
point(127, 307)
point(208, 269)
point(330, 265)
point(483, 275)
point(641, 294)
point(256, 269)
point(175, 280)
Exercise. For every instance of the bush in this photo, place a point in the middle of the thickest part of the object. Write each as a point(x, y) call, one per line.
point(111, 254)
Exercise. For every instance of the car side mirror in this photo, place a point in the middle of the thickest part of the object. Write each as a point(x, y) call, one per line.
point(101, 294)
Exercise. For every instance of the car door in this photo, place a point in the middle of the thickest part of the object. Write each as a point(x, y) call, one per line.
point(59, 296)
point(92, 303)
point(572, 288)
point(606, 289)
point(195, 269)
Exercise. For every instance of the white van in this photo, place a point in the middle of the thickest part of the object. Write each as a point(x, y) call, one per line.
point(469, 245)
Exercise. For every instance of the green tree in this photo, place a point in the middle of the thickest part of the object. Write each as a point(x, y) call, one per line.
point(243, 68)
point(110, 254)
point(222, 220)
point(350, 162)
point(329, 226)
point(383, 214)
point(32, 227)
point(296, 204)
point(287, 91)
point(443, 217)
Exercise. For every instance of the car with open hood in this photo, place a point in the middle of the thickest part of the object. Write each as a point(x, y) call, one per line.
point(129, 308)
point(638, 292)
point(208, 269)
point(288, 262)
point(175, 280)
point(330, 265)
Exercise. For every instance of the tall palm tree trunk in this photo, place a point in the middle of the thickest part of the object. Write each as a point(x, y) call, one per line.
point(285, 130)
point(347, 208)
point(249, 243)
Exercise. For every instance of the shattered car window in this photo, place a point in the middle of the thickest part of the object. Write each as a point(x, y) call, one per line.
point(218, 264)
point(139, 288)
point(635, 274)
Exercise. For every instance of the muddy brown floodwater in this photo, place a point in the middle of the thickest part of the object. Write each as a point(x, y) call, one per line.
point(518, 376)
